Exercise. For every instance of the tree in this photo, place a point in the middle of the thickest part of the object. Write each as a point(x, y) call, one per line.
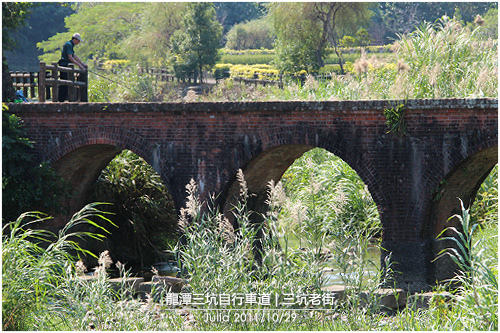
point(363, 38)
point(402, 18)
point(295, 37)
point(197, 45)
point(254, 34)
point(315, 25)
point(151, 41)
point(45, 20)
point(13, 17)
point(104, 28)
point(25, 185)
point(231, 13)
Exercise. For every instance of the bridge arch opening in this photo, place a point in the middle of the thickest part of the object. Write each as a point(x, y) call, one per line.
point(321, 195)
point(460, 184)
point(142, 205)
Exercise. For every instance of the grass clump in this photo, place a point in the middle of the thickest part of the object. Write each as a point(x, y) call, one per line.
point(36, 269)
point(221, 260)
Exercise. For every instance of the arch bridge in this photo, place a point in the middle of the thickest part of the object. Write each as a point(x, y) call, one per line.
point(445, 152)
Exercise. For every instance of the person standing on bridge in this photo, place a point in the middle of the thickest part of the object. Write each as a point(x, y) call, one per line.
point(68, 56)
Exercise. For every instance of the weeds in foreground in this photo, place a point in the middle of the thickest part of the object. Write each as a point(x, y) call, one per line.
point(35, 267)
point(218, 259)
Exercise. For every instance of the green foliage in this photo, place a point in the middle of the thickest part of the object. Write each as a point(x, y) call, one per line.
point(254, 34)
point(45, 20)
point(150, 43)
point(305, 30)
point(363, 38)
point(127, 85)
point(347, 41)
point(491, 23)
point(220, 260)
point(396, 119)
point(478, 274)
point(231, 13)
point(143, 209)
point(325, 192)
point(484, 210)
point(442, 60)
point(197, 46)
point(13, 16)
point(459, 61)
point(25, 185)
point(295, 43)
point(103, 26)
point(404, 17)
point(488, 25)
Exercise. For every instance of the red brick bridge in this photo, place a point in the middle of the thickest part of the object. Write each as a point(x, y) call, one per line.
point(415, 178)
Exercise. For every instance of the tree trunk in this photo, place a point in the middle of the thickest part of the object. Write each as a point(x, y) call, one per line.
point(339, 55)
point(8, 91)
point(319, 59)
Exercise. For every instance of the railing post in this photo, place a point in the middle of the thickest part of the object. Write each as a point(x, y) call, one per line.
point(71, 88)
point(24, 81)
point(32, 85)
point(41, 82)
point(16, 79)
point(83, 77)
point(55, 85)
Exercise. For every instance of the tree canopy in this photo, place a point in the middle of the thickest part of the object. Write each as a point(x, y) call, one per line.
point(304, 30)
point(13, 16)
point(103, 27)
point(196, 46)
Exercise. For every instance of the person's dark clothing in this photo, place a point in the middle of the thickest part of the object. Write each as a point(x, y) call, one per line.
point(66, 51)
point(63, 90)
point(64, 61)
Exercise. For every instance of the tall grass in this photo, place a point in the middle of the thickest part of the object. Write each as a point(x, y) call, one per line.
point(127, 85)
point(474, 305)
point(42, 289)
point(35, 266)
point(448, 60)
point(220, 259)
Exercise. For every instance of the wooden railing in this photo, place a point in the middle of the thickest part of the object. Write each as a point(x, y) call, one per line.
point(161, 74)
point(48, 78)
point(25, 81)
point(45, 84)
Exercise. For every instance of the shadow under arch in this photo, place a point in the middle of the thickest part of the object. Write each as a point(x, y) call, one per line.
point(462, 182)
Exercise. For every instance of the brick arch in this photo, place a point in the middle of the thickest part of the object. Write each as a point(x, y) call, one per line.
point(113, 136)
point(467, 169)
point(80, 156)
point(266, 156)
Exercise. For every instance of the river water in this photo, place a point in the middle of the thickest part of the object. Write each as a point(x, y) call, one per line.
point(333, 275)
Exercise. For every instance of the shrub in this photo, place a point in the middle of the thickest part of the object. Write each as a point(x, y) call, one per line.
point(26, 185)
point(254, 34)
point(143, 208)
